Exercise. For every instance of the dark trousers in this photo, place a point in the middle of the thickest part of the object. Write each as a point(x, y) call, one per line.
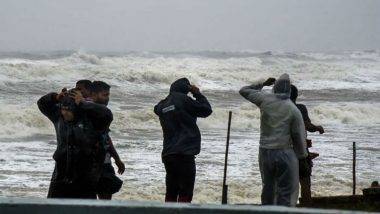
point(305, 181)
point(180, 177)
point(59, 188)
point(305, 189)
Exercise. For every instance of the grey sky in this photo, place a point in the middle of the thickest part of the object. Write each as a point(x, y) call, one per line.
point(178, 25)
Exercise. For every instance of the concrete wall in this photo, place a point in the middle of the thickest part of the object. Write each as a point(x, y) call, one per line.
point(60, 206)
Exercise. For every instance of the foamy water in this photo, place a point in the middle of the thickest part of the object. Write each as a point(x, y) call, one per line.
point(340, 90)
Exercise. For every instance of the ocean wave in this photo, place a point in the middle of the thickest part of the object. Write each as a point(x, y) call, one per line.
point(22, 121)
point(210, 73)
point(349, 113)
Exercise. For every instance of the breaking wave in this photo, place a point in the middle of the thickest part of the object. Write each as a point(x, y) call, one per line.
point(22, 121)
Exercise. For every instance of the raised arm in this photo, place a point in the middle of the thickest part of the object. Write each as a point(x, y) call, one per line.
point(99, 114)
point(48, 106)
point(200, 107)
point(253, 92)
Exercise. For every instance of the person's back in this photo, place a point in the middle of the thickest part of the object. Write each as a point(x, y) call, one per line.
point(277, 115)
point(182, 139)
point(282, 141)
point(178, 116)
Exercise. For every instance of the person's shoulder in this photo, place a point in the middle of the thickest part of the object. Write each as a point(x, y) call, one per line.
point(267, 97)
point(165, 102)
point(178, 98)
point(295, 110)
point(179, 95)
point(301, 106)
point(157, 107)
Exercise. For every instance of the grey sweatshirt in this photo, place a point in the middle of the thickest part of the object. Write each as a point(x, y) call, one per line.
point(282, 125)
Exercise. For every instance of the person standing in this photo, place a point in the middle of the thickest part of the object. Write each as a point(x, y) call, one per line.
point(305, 172)
point(108, 183)
point(178, 115)
point(282, 140)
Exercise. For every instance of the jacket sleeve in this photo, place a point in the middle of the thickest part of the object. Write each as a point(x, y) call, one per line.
point(298, 135)
point(200, 107)
point(48, 106)
point(310, 127)
point(99, 114)
point(304, 112)
point(253, 93)
point(156, 109)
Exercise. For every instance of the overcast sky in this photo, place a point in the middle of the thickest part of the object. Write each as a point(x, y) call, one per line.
point(178, 25)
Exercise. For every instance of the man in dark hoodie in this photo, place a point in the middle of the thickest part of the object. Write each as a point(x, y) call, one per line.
point(182, 139)
point(79, 156)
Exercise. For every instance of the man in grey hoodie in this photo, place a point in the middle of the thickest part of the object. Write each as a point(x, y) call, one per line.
point(282, 140)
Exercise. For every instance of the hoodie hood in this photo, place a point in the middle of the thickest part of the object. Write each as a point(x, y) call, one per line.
point(282, 86)
point(181, 86)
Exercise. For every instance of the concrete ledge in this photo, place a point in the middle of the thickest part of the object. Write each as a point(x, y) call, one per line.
point(67, 206)
point(347, 202)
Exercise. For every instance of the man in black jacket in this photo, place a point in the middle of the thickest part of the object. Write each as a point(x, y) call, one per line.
point(182, 139)
point(79, 155)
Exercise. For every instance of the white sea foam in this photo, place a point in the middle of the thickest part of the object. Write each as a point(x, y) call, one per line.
point(211, 73)
point(22, 121)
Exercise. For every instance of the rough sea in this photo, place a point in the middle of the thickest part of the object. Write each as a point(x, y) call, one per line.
point(341, 91)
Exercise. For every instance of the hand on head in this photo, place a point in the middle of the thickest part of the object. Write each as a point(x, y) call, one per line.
point(270, 81)
point(194, 89)
point(77, 96)
point(61, 94)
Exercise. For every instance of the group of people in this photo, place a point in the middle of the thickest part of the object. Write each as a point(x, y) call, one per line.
point(81, 119)
point(83, 167)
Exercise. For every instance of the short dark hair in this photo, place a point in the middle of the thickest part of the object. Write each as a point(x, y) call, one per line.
point(85, 83)
point(293, 92)
point(99, 86)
